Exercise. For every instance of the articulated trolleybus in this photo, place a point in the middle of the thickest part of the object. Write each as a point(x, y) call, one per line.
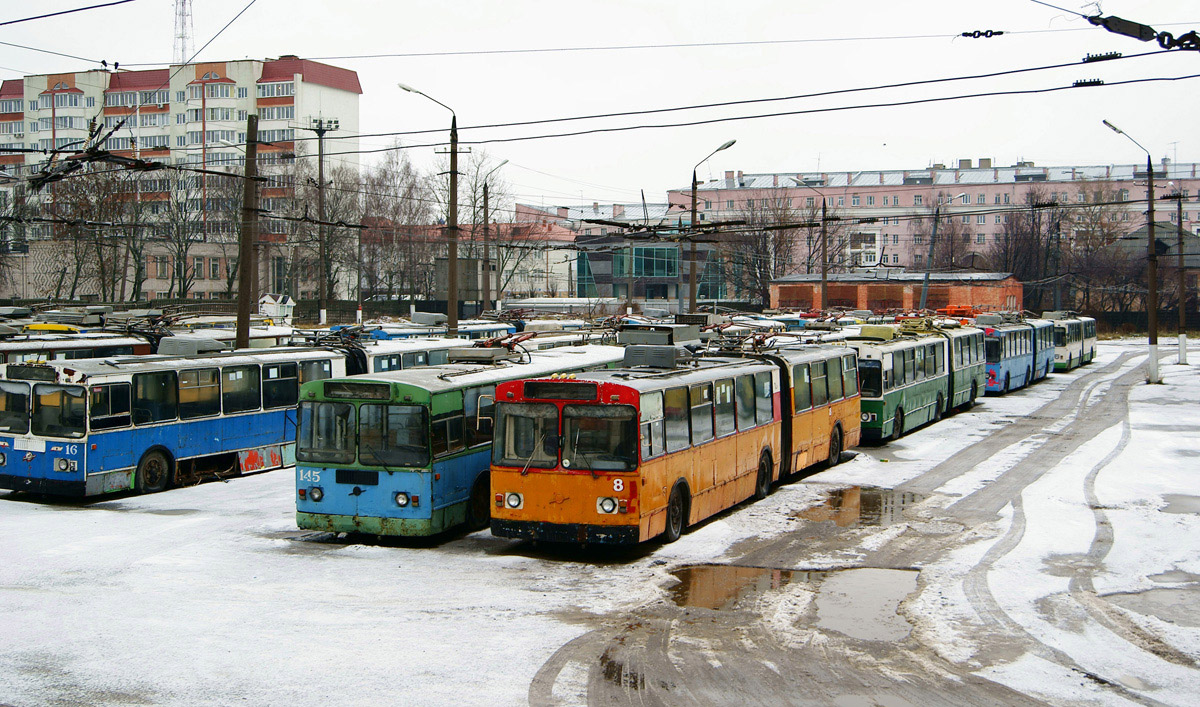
point(626, 455)
point(1018, 351)
point(913, 374)
point(407, 452)
point(143, 423)
point(1074, 339)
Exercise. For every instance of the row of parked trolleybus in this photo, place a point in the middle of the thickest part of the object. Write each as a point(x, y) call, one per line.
point(583, 443)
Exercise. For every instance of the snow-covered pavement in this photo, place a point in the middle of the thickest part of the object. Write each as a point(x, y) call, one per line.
point(1078, 587)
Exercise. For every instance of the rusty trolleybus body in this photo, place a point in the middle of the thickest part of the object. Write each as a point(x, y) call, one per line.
point(627, 455)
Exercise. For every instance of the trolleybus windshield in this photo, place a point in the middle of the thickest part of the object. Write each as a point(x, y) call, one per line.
point(59, 410)
point(871, 374)
point(326, 433)
point(992, 350)
point(600, 437)
point(526, 435)
point(393, 435)
point(14, 407)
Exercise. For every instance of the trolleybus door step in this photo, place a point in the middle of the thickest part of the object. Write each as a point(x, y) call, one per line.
point(358, 477)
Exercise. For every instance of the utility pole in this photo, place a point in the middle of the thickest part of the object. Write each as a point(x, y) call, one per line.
point(1151, 275)
point(1057, 265)
point(246, 266)
point(825, 257)
point(487, 263)
point(929, 265)
point(320, 126)
point(452, 235)
point(692, 278)
point(1181, 284)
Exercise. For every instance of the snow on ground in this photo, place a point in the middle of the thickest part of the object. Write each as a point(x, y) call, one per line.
point(206, 596)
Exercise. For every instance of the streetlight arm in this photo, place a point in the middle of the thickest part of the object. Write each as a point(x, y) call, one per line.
point(410, 89)
point(726, 146)
point(1119, 131)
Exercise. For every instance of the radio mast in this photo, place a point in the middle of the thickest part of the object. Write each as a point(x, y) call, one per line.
point(183, 31)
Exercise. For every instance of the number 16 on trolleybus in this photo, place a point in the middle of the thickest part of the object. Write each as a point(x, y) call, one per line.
point(622, 456)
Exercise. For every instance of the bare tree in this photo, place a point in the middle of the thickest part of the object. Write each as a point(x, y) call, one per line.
point(182, 226)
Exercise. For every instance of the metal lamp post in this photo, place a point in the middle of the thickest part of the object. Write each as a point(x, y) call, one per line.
point(692, 283)
point(451, 219)
point(487, 265)
point(1151, 262)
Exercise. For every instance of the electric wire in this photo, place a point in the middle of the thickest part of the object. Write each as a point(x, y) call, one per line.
point(64, 12)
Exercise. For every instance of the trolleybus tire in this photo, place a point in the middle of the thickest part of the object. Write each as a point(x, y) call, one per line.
point(1028, 376)
point(937, 411)
point(974, 395)
point(1007, 380)
point(153, 472)
point(835, 447)
point(676, 513)
point(898, 424)
point(479, 510)
point(762, 483)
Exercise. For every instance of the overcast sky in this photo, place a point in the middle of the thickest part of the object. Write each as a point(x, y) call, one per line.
point(820, 46)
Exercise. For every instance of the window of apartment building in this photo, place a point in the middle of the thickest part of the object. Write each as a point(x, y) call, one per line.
point(749, 203)
point(274, 89)
point(981, 238)
point(854, 200)
point(980, 218)
point(789, 202)
point(917, 199)
point(198, 268)
point(1123, 195)
point(243, 92)
point(180, 96)
point(966, 199)
point(707, 204)
point(895, 200)
point(1081, 198)
point(161, 267)
point(917, 258)
point(10, 105)
point(981, 199)
point(809, 241)
point(241, 116)
point(966, 238)
point(91, 101)
point(895, 258)
point(966, 218)
point(277, 112)
point(1006, 198)
point(918, 240)
point(997, 198)
point(870, 201)
point(895, 239)
point(729, 204)
point(1125, 216)
point(997, 218)
point(808, 201)
point(841, 201)
point(120, 98)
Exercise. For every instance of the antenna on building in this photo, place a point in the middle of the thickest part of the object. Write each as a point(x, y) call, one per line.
point(183, 31)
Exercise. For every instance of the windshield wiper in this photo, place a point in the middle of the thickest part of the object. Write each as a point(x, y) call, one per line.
point(537, 445)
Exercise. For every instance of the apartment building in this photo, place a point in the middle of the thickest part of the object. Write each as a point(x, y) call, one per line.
point(193, 115)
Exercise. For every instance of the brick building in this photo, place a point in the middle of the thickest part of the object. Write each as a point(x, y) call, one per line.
point(883, 289)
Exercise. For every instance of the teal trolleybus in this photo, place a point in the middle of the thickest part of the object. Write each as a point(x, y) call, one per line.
point(407, 452)
point(913, 374)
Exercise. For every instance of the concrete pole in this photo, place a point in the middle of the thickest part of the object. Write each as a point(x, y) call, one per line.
point(322, 294)
point(929, 265)
point(692, 254)
point(1182, 284)
point(1151, 278)
point(824, 255)
point(452, 235)
point(249, 233)
point(487, 266)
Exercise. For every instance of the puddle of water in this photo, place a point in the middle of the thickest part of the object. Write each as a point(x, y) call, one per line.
point(862, 603)
point(1177, 606)
point(859, 603)
point(862, 506)
point(1174, 576)
point(1180, 503)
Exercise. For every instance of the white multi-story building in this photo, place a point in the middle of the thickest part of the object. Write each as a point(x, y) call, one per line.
point(193, 115)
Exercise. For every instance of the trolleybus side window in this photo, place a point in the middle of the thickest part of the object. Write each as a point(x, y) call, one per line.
point(413, 360)
point(849, 376)
point(910, 365)
point(653, 443)
point(14, 407)
point(599, 437)
point(280, 388)
point(326, 433)
point(447, 427)
point(977, 343)
point(833, 374)
point(764, 408)
point(701, 404)
point(437, 358)
point(675, 412)
point(393, 435)
point(155, 397)
point(939, 359)
point(110, 406)
point(315, 370)
point(801, 389)
point(820, 390)
point(199, 393)
point(919, 363)
point(744, 394)
point(479, 418)
point(59, 410)
point(239, 388)
point(527, 435)
point(724, 411)
point(931, 368)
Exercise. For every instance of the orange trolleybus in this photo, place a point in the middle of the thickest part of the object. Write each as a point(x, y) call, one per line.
point(622, 456)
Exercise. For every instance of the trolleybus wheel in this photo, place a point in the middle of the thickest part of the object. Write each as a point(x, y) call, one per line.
point(676, 514)
point(153, 471)
point(479, 512)
point(937, 411)
point(1070, 362)
point(1028, 376)
point(898, 424)
point(835, 447)
point(974, 394)
point(1007, 380)
point(762, 485)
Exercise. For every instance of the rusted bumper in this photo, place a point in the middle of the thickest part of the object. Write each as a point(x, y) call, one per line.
point(566, 532)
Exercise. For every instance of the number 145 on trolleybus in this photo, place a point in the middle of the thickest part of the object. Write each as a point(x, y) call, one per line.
point(626, 455)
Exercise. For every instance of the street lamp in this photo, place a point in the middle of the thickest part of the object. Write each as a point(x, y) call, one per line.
point(1151, 261)
point(451, 219)
point(824, 244)
point(932, 237)
point(692, 255)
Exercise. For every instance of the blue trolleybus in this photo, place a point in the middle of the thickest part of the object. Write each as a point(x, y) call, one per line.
point(1018, 351)
point(145, 423)
point(407, 452)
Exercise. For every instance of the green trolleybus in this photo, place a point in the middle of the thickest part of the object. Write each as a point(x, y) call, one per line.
point(914, 373)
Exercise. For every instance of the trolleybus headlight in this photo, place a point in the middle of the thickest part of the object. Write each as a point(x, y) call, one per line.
point(315, 493)
point(514, 500)
point(3, 459)
point(402, 499)
point(868, 417)
point(607, 504)
point(64, 464)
